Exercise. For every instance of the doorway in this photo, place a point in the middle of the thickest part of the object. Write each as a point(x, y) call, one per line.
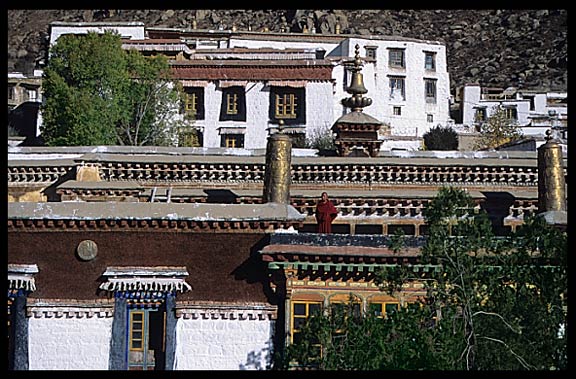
point(146, 337)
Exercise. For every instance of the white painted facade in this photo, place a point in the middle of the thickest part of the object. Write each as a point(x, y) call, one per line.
point(260, 41)
point(69, 341)
point(229, 338)
point(548, 109)
point(257, 126)
point(323, 100)
point(415, 111)
point(223, 344)
point(23, 88)
point(127, 30)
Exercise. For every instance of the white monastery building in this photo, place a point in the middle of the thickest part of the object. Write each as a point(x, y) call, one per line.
point(534, 111)
point(242, 83)
point(127, 30)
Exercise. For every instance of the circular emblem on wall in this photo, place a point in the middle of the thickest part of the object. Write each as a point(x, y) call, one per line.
point(87, 250)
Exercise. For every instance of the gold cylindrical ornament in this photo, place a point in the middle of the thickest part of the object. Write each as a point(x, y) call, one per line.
point(278, 174)
point(551, 181)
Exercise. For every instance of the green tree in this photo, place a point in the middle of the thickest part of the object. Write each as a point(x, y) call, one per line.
point(492, 303)
point(441, 138)
point(99, 94)
point(150, 101)
point(498, 129)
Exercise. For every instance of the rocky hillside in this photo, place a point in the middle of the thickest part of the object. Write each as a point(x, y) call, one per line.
point(521, 48)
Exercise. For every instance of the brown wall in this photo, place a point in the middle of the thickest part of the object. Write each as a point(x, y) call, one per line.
point(219, 264)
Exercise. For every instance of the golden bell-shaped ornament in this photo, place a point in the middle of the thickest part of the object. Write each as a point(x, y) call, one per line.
point(357, 84)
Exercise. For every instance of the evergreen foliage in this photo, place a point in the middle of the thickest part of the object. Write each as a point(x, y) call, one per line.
point(441, 138)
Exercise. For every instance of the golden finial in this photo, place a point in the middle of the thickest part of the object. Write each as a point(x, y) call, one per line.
point(356, 88)
point(357, 60)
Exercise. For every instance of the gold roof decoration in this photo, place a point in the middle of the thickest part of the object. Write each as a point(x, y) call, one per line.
point(356, 88)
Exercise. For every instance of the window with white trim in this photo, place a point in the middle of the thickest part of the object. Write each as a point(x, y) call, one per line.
point(371, 51)
point(430, 61)
point(430, 90)
point(397, 87)
point(396, 58)
point(32, 94)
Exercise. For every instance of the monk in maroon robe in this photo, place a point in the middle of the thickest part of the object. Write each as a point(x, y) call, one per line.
point(325, 213)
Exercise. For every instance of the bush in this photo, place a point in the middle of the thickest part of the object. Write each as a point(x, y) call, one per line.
point(441, 138)
point(321, 139)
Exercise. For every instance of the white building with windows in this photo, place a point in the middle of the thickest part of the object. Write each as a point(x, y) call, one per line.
point(127, 30)
point(24, 101)
point(534, 111)
point(406, 78)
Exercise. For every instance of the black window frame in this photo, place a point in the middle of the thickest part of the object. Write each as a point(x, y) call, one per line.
point(480, 114)
point(199, 93)
point(240, 93)
point(239, 137)
point(511, 113)
point(300, 100)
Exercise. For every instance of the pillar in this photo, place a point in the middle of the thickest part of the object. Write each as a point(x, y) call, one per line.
point(278, 173)
point(551, 181)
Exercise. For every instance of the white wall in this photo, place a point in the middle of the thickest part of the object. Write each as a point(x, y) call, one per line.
point(329, 47)
point(69, 343)
point(126, 30)
point(223, 344)
point(414, 109)
point(472, 98)
point(319, 113)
